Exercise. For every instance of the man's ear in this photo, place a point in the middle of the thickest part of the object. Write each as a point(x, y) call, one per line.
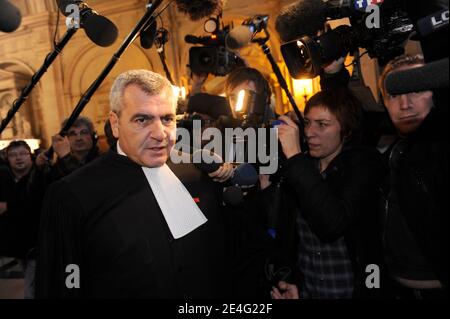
point(114, 121)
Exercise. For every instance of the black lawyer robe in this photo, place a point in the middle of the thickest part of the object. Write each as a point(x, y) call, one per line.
point(105, 219)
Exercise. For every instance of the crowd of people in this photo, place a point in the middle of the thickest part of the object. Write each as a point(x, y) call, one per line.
point(137, 225)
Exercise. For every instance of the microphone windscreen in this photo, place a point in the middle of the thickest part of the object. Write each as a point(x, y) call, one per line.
point(303, 18)
point(99, 29)
point(148, 35)
point(239, 37)
point(199, 9)
point(62, 5)
point(233, 196)
point(245, 175)
point(431, 76)
point(207, 162)
point(10, 17)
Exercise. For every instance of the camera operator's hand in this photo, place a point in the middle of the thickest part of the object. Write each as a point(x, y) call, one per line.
point(198, 80)
point(285, 291)
point(289, 136)
point(41, 160)
point(224, 173)
point(61, 145)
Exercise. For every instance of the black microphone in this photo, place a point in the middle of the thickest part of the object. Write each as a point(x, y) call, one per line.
point(199, 9)
point(303, 18)
point(431, 76)
point(148, 34)
point(242, 35)
point(10, 17)
point(307, 17)
point(209, 162)
point(233, 196)
point(99, 29)
point(245, 175)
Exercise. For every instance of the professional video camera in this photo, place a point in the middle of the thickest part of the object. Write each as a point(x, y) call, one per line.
point(382, 30)
point(213, 56)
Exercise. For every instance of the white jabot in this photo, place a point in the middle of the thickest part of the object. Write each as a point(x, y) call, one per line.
point(178, 207)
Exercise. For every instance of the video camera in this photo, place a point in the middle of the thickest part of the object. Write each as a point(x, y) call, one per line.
point(382, 30)
point(212, 56)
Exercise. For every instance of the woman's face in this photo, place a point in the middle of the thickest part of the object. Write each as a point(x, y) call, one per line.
point(323, 133)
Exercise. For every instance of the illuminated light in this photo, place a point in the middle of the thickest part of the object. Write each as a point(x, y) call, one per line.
point(303, 87)
point(240, 101)
point(183, 93)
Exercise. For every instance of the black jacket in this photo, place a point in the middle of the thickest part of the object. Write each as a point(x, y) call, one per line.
point(105, 219)
point(422, 183)
point(344, 204)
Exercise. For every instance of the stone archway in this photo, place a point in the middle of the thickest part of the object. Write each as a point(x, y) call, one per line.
point(27, 123)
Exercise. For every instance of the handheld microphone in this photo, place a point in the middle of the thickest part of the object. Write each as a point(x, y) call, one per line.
point(242, 35)
point(10, 17)
point(431, 76)
point(99, 29)
point(199, 9)
point(208, 163)
point(233, 196)
point(245, 175)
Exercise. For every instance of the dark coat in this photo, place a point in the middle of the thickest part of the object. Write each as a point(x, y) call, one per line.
point(422, 185)
point(105, 219)
point(344, 204)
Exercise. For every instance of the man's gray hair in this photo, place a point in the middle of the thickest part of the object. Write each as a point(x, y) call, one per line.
point(150, 82)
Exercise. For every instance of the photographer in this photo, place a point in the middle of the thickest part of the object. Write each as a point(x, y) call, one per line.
point(327, 226)
point(415, 233)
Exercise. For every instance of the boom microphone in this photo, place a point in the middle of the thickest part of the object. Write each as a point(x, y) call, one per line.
point(10, 17)
point(242, 35)
point(99, 29)
point(303, 18)
point(307, 17)
point(431, 76)
point(199, 9)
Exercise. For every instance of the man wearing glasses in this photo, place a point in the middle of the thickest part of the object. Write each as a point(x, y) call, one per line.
point(74, 150)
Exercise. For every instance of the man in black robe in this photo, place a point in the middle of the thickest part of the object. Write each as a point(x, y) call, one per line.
point(113, 230)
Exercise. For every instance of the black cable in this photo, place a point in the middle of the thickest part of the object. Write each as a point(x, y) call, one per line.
point(56, 29)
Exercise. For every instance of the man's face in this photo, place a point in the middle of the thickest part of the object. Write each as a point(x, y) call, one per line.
point(323, 133)
point(408, 111)
point(80, 139)
point(146, 127)
point(19, 159)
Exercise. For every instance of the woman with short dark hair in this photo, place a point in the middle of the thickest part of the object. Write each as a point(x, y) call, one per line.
point(330, 227)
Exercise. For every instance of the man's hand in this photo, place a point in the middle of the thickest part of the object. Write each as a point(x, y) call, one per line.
point(285, 291)
point(289, 136)
point(224, 173)
point(61, 145)
point(41, 160)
